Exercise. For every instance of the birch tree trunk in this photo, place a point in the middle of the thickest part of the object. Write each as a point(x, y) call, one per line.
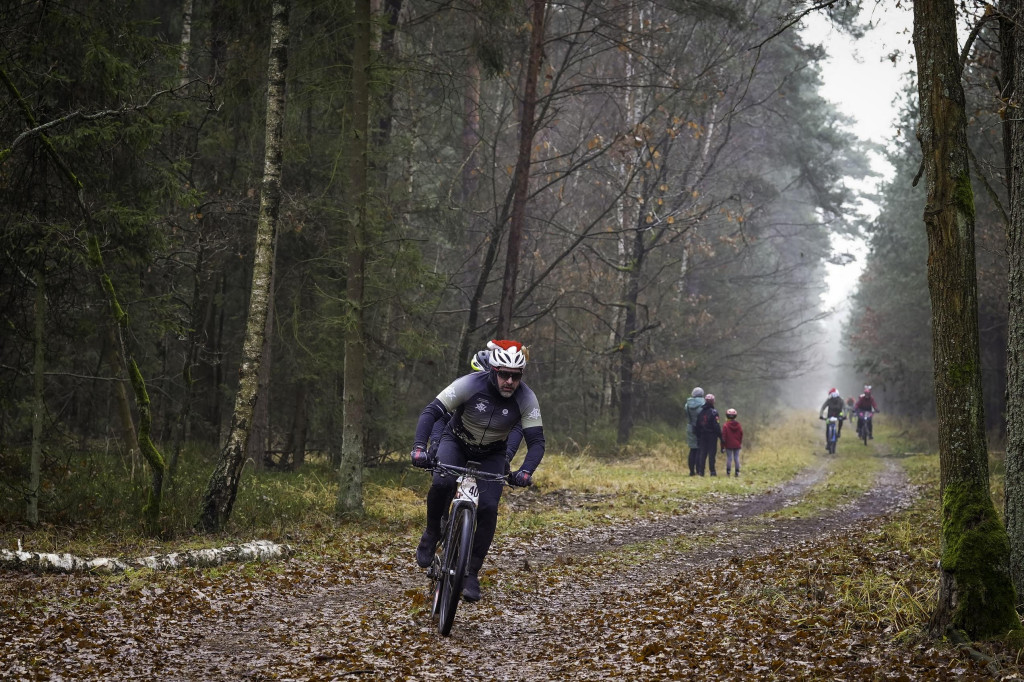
point(186, 42)
point(223, 486)
point(630, 251)
point(350, 470)
point(259, 439)
point(975, 591)
point(627, 356)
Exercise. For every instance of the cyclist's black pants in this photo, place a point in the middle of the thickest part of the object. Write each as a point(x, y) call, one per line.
point(442, 490)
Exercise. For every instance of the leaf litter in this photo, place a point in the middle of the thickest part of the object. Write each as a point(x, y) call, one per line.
point(720, 590)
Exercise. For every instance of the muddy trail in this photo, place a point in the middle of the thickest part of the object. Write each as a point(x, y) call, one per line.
point(723, 589)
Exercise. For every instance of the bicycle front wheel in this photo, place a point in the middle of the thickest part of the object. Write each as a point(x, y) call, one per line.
point(456, 562)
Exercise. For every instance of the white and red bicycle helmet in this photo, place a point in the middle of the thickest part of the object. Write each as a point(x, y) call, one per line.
point(507, 354)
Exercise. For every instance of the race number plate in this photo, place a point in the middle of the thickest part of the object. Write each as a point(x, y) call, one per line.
point(468, 489)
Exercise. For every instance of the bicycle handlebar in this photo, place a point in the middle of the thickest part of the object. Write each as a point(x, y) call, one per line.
point(450, 469)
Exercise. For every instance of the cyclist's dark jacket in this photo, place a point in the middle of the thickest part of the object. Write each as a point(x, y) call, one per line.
point(481, 419)
point(835, 407)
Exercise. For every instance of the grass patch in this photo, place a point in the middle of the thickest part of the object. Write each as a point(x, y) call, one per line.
point(891, 579)
point(91, 506)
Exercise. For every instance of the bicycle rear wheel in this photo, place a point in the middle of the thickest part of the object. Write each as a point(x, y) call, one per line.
point(456, 561)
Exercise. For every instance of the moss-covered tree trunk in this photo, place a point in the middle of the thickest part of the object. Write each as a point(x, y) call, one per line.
point(1011, 40)
point(147, 448)
point(112, 356)
point(350, 469)
point(151, 511)
point(975, 594)
point(223, 486)
point(1012, 76)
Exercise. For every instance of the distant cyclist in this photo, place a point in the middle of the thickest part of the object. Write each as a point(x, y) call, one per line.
point(483, 409)
point(834, 406)
point(866, 403)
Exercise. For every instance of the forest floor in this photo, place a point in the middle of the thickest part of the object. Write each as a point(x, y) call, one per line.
point(726, 588)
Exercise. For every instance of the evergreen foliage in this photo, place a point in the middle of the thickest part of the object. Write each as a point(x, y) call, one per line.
point(685, 169)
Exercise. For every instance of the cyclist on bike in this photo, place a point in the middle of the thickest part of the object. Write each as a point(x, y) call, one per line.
point(480, 362)
point(484, 407)
point(866, 403)
point(834, 405)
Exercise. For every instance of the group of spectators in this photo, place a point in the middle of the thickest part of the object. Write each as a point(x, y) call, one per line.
point(704, 432)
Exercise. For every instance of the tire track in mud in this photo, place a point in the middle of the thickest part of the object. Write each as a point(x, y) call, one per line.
point(510, 623)
point(735, 530)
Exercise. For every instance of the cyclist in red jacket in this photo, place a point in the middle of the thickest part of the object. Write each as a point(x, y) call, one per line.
point(866, 403)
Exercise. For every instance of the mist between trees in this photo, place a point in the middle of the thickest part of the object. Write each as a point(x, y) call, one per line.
point(684, 178)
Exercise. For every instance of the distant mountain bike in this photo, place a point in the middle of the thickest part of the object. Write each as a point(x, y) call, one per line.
point(451, 562)
point(864, 425)
point(831, 434)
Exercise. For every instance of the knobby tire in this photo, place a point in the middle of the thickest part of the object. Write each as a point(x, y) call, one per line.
point(456, 562)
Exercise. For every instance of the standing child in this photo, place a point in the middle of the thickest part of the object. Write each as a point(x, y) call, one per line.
point(732, 441)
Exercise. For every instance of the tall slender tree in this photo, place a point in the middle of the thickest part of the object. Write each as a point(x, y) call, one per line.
point(39, 406)
point(527, 126)
point(975, 591)
point(350, 472)
point(223, 485)
point(1012, 44)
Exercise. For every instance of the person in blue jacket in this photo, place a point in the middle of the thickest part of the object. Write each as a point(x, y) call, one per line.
point(482, 410)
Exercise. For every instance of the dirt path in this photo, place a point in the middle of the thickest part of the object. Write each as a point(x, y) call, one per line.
point(724, 589)
point(543, 604)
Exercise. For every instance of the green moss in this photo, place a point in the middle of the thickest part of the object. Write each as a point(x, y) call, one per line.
point(964, 194)
point(976, 552)
point(1015, 639)
point(151, 510)
point(960, 376)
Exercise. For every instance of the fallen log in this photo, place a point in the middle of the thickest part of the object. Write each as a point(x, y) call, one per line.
point(258, 550)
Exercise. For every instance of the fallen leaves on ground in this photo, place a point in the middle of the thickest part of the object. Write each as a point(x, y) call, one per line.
point(820, 606)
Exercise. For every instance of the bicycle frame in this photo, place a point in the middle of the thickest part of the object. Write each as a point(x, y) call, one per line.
point(863, 424)
point(831, 434)
point(451, 563)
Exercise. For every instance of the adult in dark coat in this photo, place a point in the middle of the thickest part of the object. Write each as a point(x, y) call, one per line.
point(709, 435)
point(694, 404)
